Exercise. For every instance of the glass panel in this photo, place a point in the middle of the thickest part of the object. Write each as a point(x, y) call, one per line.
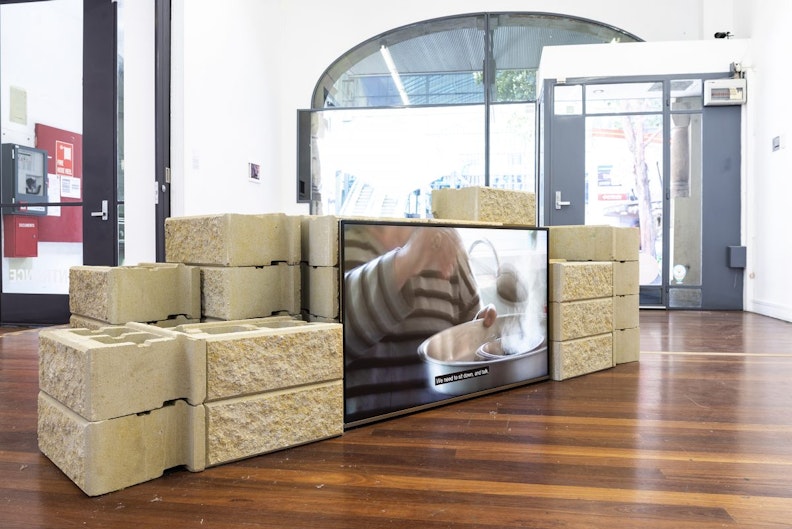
point(41, 243)
point(441, 61)
point(686, 200)
point(568, 100)
point(624, 181)
point(684, 298)
point(517, 42)
point(432, 63)
point(385, 162)
point(512, 146)
point(623, 98)
point(687, 94)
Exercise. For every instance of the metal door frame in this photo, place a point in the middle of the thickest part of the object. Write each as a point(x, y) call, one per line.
point(100, 238)
point(722, 253)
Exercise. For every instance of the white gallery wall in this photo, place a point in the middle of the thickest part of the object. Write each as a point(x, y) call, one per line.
point(768, 172)
point(242, 68)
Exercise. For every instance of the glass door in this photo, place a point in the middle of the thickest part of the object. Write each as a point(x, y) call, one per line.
point(58, 154)
point(648, 154)
point(624, 169)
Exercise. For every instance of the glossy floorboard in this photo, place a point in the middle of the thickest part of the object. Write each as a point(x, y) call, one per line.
point(698, 434)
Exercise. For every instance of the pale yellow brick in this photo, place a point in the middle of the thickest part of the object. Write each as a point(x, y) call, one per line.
point(233, 239)
point(487, 204)
point(626, 312)
point(243, 292)
point(116, 371)
point(105, 456)
point(572, 280)
point(320, 240)
point(626, 345)
point(626, 278)
point(253, 356)
point(318, 319)
point(143, 293)
point(581, 356)
point(82, 322)
point(594, 243)
point(257, 424)
point(576, 319)
point(321, 297)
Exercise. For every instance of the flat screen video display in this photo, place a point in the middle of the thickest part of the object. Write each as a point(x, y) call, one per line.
point(434, 313)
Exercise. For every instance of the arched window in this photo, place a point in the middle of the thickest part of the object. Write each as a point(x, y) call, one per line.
point(443, 103)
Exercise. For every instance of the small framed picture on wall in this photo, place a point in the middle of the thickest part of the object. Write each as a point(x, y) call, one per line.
point(254, 174)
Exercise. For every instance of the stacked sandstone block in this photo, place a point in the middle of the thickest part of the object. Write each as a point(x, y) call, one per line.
point(593, 298)
point(320, 269)
point(249, 264)
point(120, 405)
point(485, 204)
point(163, 294)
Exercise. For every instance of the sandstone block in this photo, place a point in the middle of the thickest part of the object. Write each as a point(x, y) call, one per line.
point(626, 345)
point(117, 371)
point(318, 319)
point(321, 294)
point(576, 319)
point(626, 312)
point(233, 239)
point(143, 293)
point(626, 278)
point(256, 424)
point(486, 204)
point(594, 243)
point(320, 240)
point(243, 292)
point(581, 356)
point(108, 455)
point(81, 322)
point(578, 280)
point(253, 356)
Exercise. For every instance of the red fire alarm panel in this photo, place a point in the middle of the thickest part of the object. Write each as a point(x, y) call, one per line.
point(20, 234)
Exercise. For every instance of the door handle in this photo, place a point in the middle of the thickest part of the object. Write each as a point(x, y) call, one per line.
point(559, 202)
point(102, 213)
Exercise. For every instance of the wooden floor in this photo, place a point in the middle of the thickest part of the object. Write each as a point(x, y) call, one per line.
point(698, 434)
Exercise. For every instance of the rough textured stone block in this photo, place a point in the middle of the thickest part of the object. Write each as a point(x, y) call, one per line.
point(575, 280)
point(81, 322)
point(486, 204)
point(576, 319)
point(320, 240)
point(582, 356)
point(143, 293)
point(243, 292)
point(626, 312)
point(117, 371)
point(318, 319)
point(252, 425)
point(626, 345)
point(253, 356)
point(233, 239)
point(626, 278)
point(594, 243)
point(104, 456)
point(321, 293)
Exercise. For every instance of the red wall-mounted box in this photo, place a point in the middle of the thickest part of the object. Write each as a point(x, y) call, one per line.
point(20, 234)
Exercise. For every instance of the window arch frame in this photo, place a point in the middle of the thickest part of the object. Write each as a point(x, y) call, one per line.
point(367, 59)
